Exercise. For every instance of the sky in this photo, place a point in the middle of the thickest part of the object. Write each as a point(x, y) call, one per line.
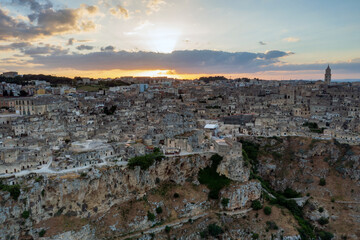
point(267, 39)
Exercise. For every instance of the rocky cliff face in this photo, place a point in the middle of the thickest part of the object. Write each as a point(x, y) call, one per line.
point(92, 193)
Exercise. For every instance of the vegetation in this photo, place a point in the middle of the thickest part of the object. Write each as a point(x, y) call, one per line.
point(290, 193)
point(321, 209)
point(322, 182)
point(256, 205)
point(14, 190)
point(25, 214)
point(313, 127)
point(159, 210)
point(272, 225)
point(325, 235)
point(167, 229)
point(110, 111)
point(212, 179)
point(176, 195)
point(42, 233)
point(255, 236)
point(145, 161)
point(225, 202)
point(267, 210)
point(323, 221)
point(150, 216)
point(250, 153)
point(212, 230)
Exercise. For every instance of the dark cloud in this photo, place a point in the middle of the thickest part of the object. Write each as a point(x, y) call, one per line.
point(34, 5)
point(108, 49)
point(14, 46)
point(84, 47)
point(195, 61)
point(46, 49)
point(44, 21)
point(70, 41)
point(276, 54)
point(262, 43)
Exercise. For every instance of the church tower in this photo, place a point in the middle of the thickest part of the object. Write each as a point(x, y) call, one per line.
point(328, 75)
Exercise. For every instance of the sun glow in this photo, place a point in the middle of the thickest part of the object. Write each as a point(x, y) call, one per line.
point(163, 40)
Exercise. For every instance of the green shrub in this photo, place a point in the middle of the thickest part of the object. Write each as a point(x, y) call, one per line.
point(176, 195)
point(145, 161)
point(150, 216)
point(321, 209)
point(255, 236)
point(14, 190)
point(322, 182)
point(272, 225)
point(214, 230)
point(323, 221)
point(25, 214)
point(212, 179)
point(83, 174)
point(159, 210)
point(325, 235)
point(256, 205)
point(167, 229)
point(290, 193)
point(225, 202)
point(42, 233)
point(267, 210)
point(39, 178)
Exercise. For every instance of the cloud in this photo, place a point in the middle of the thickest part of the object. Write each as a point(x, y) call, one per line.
point(34, 5)
point(46, 49)
point(291, 39)
point(276, 54)
point(154, 6)
point(262, 43)
point(70, 41)
point(108, 49)
point(195, 61)
point(44, 21)
point(84, 47)
point(14, 46)
point(120, 12)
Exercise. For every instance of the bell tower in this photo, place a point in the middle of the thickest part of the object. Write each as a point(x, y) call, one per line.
point(328, 75)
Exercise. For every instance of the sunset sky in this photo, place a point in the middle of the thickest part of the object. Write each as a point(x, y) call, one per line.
point(269, 39)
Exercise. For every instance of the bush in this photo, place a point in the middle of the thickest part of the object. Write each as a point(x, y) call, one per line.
point(176, 195)
point(42, 233)
point(212, 179)
point(167, 229)
point(323, 221)
point(214, 230)
point(14, 190)
point(159, 210)
point(25, 214)
point(150, 216)
point(255, 236)
point(325, 235)
point(321, 209)
point(145, 161)
point(290, 193)
point(272, 225)
point(322, 182)
point(267, 210)
point(225, 202)
point(256, 205)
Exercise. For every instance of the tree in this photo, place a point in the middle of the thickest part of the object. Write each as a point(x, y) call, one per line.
point(5, 93)
point(23, 93)
point(267, 210)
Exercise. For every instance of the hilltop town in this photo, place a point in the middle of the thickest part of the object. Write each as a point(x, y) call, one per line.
point(51, 130)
